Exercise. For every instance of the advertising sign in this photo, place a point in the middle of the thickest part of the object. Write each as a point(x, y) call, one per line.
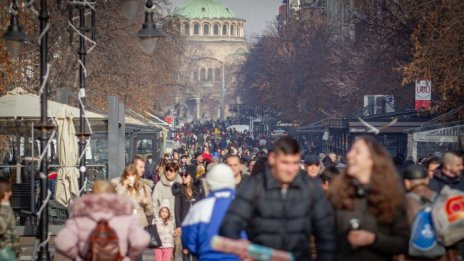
point(423, 94)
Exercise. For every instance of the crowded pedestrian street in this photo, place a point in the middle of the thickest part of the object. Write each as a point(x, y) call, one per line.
point(254, 130)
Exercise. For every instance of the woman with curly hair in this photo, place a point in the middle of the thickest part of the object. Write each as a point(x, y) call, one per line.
point(368, 203)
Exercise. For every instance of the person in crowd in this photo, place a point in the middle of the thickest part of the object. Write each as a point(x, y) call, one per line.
point(280, 208)
point(165, 227)
point(200, 164)
point(313, 168)
point(188, 193)
point(416, 180)
point(251, 165)
point(432, 164)
point(233, 161)
point(204, 219)
point(449, 173)
point(103, 204)
point(149, 168)
point(139, 162)
point(8, 236)
point(160, 170)
point(163, 192)
point(327, 176)
point(260, 166)
point(131, 186)
point(368, 202)
point(183, 161)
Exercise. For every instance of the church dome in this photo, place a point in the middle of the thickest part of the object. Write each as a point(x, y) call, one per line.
point(205, 9)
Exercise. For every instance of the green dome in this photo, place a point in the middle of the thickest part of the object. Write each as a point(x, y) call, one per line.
point(205, 9)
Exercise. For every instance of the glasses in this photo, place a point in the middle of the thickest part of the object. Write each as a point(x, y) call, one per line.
point(171, 170)
point(184, 175)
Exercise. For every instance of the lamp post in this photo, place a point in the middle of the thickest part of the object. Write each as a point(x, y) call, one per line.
point(82, 52)
point(44, 127)
point(14, 37)
point(149, 35)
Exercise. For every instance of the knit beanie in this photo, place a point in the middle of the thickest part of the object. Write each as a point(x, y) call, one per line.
point(220, 177)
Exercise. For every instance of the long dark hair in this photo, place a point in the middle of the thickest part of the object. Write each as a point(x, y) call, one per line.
point(385, 194)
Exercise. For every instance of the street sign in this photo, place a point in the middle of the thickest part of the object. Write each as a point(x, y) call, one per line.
point(423, 94)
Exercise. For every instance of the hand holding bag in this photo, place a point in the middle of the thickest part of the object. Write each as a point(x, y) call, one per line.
point(155, 240)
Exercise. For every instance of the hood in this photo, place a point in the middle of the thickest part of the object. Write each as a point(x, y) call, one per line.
point(167, 183)
point(102, 206)
point(176, 188)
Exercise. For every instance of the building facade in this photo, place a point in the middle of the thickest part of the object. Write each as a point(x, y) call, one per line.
point(216, 45)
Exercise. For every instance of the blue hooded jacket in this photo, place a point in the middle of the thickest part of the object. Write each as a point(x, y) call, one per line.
point(203, 222)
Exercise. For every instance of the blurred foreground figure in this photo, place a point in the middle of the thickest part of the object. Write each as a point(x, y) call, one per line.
point(368, 202)
point(280, 208)
point(102, 214)
point(9, 240)
point(205, 217)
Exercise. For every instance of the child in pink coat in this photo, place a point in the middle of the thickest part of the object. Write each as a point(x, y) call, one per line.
point(72, 240)
point(166, 231)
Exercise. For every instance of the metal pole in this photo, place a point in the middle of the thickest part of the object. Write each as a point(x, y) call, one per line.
point(44, 253)
point(82, 137)
point(223, 91)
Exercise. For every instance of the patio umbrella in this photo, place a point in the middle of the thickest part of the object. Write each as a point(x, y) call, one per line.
point(67, 186)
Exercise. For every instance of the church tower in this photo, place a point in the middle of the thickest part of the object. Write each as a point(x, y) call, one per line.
point(216, 44)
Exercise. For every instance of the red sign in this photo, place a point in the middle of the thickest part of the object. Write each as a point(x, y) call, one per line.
point(169, 119)
point(423, 94)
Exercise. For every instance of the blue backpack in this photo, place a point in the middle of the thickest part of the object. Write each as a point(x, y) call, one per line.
point(423, 242)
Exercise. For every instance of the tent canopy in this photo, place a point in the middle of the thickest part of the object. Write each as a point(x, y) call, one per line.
point(20, 104)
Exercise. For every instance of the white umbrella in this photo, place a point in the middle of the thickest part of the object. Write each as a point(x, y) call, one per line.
point(67, 186)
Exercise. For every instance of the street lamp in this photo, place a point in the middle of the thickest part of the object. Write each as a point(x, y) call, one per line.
point(14, 38)
point(149, 35)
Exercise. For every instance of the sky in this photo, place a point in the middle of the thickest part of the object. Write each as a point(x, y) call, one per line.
point(257, 13)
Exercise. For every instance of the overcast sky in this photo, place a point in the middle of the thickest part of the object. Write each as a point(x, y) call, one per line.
point(257, 13)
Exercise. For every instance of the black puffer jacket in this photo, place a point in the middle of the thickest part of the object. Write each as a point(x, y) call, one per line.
point(283, 221)
point(183, 202)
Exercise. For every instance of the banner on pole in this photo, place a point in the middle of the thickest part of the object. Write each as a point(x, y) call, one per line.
point(423, 94)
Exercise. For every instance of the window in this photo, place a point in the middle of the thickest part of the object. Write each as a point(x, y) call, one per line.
point(216, 29)
point(232, 30)
point(203, 74)
point(210, 74)
point(196, 29)
point(217, 75)
point(195, 76)
point(206, 29)
point(186, 29)
point(224, 29)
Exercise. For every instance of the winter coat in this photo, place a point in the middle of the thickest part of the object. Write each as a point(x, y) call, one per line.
point(440, 180)
point(8, 235)
point(143, 205)
point(283, 221)
point(390, 239)
point(183, 202)
point(149, 171)
point(202, 223)
point(72, 242)
point(413, 206)
point(163, 191)
point(166, 233)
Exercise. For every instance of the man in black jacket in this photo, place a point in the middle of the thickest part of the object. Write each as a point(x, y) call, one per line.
point(281, 209)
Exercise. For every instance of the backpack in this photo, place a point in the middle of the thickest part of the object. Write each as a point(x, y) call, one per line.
point(423, 242)
point(448, 216)
point(103, 244)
